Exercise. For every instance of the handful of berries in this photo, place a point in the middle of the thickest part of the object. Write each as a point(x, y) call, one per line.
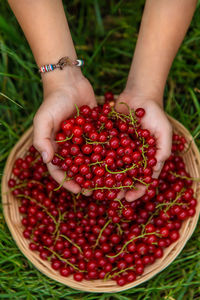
point(105, 151)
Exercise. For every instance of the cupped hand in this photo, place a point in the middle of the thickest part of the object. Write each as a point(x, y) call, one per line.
point(58, 105)
point(156, 121)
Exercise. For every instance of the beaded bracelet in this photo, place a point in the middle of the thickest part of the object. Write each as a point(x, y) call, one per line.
point(63, 62)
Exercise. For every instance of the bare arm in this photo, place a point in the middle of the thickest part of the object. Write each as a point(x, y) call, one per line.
point(163, 27)
point(45, 26)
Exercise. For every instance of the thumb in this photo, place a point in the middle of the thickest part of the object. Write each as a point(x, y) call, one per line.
point(42, 132)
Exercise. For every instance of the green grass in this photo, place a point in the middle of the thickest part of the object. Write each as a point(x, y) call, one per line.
point(107, 50)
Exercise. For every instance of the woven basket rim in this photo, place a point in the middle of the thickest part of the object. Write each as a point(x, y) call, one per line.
point(92, 286)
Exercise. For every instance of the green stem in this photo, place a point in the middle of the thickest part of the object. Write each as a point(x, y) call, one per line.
point(143, 153)
point(132, 240)
point(101, 128)
point(159, 207)
point(166, 204)
point(77, 110)
point(141, 181)
point(89, 141)
point(121, 205)
point(19, 186)
point(70, 241)
point(175, 200)
point(64, 179)
point(121, 271)
point(133, 119)
point(63, 259)
point(119, 172)
point(100, 233)
point(114, 188)
point(119, 115)
point(35, 201)
point(185, 177)
point(56, 154)
point(96, 163)
point(124, 171)
point(65, 140)
point(119, 228)
point(108, 274)
point(57, 231)
point(35, 160)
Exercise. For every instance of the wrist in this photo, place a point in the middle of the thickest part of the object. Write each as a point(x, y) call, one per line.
point(60, 78)
point(143, 93)
point(139, 98)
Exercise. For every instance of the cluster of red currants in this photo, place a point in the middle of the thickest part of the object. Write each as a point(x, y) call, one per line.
point(105, 151)
point(89, 237)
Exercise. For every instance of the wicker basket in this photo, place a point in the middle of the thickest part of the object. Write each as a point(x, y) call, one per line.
point(13, 219)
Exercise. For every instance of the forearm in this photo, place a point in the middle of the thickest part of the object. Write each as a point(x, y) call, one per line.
point(46, 29)
point(163, 27)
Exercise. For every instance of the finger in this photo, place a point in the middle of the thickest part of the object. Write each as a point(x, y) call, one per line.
point(42, 141)
point(121, 107)
point(59, 175)
point(121, 195)
point(164, 142)
point(157, 169)
point(135, 194)
point(86, 193)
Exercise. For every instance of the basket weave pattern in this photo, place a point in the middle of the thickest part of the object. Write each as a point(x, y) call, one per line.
point(13, 220)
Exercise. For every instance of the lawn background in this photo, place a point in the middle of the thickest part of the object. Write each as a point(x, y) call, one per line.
point(105, 34)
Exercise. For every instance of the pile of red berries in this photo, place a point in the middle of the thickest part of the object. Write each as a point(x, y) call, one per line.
point(92, 238)
point(105, 151)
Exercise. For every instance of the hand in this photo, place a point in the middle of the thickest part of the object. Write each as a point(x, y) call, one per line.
point(155, 120)
point(58, 105)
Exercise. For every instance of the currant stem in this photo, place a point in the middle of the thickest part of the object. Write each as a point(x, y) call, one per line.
point(96, 163)
point(38, 203)
point(132, 240)
point(121, 271)
point(113, 188)
point(56, 232)
point(64, 259)
point(89, 141)
point(74, 244)
point(119, 115)
point(143, 153)
point(121, 205)
point(166, 204)
point(59, 156)
point(119, 228)
point(101, 232)
point(185, 177)
point(132, 119)
point(175, 200)
point(77, 110)
point(59, 187)
point(35, 160)
point(19, 186)
point(65, 140)
point(107, 274)
point(119, 172)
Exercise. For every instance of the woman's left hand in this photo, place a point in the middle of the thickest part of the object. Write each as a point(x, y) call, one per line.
point(156, 121)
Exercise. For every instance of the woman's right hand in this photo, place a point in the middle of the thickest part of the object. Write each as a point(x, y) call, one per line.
point(59, 102)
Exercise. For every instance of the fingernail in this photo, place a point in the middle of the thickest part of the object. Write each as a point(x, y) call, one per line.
point(44, 156)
